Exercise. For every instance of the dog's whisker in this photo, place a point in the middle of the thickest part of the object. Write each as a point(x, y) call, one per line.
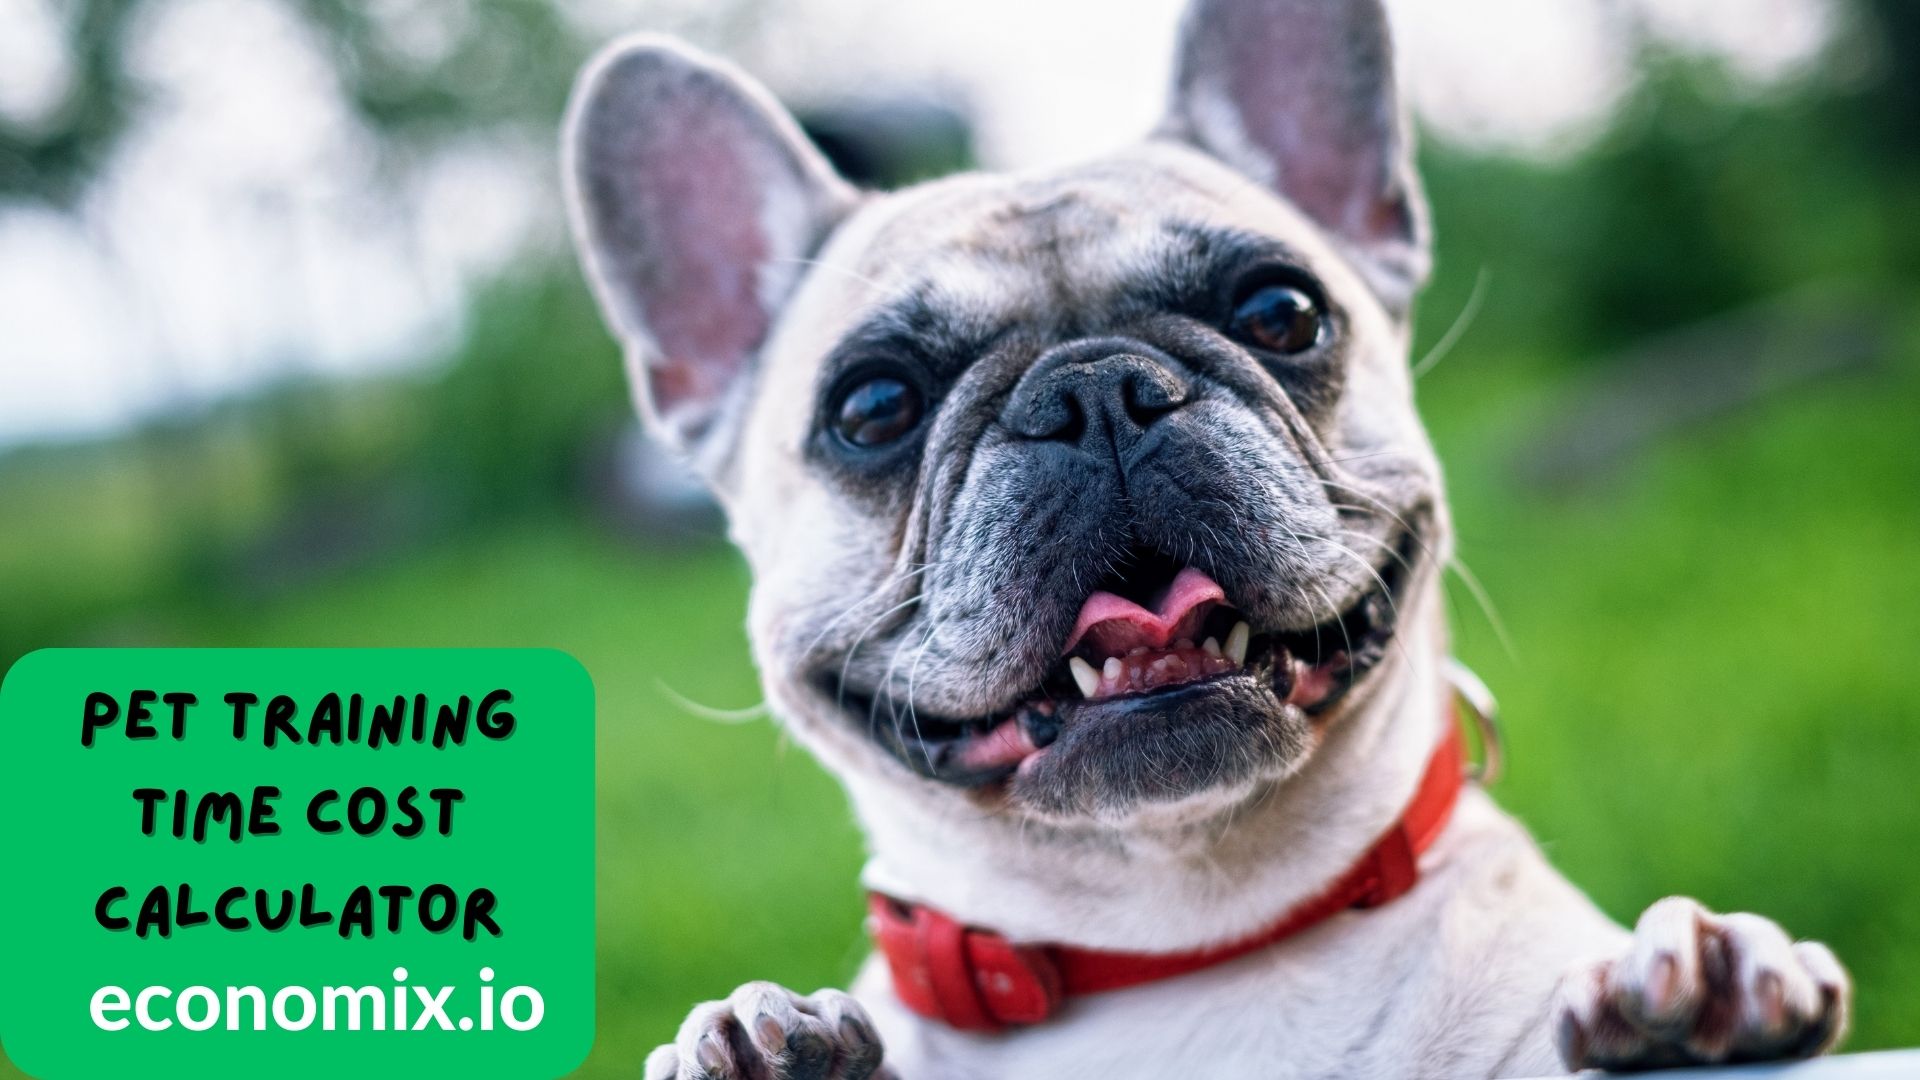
point(1386, 548)
point(1368, 456)
point(892, 581)
point(846, 664)
point(1333, 615)
point(1474, 588)
point(1385, 591)
point(711, 712)
point(824, 265)
point(1332, 612)
point(913, 671)
point(1388, 512)
point(1364, 565)
point(1485, 600)
point(893, 702)
point(1392, 552)
point(1462, 322)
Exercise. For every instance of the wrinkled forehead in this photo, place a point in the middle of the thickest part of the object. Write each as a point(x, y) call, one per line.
point(950, 265)
point(1019, 246)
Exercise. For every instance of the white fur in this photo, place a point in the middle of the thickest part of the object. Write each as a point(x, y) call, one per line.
point(1453, 979)
point(1457, 978)
point(1487, 964)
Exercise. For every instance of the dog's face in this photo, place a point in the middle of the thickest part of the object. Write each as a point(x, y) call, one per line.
point(1082, 494)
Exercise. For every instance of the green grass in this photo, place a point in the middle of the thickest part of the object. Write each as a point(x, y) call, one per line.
point(1711, 695)
point(699, 822)
point(1712, 691)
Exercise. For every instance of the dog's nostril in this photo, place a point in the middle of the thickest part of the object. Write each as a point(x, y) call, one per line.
point(1121, 391)
point(1054, 416)
point(1109, 391)
point(1150, 394)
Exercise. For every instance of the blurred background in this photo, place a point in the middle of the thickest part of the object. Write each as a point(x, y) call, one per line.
point(293, 352)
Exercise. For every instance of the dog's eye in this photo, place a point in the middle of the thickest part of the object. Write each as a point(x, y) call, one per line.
point(1278, 317)
point(877, 411)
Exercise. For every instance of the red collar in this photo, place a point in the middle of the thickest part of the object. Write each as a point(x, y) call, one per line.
point(976, 980)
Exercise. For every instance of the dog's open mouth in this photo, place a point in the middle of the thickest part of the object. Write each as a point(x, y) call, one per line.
point(1154, 638)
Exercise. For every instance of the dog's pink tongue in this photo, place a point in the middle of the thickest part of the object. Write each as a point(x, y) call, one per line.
point(1114, 624)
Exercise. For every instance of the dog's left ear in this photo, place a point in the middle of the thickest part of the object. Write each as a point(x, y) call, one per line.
point(1300, 95)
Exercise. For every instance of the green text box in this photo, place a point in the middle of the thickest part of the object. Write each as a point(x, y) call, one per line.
point(520, 830)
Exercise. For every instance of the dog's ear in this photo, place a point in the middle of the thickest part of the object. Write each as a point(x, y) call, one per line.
point(1299, 94)
point(695, 200)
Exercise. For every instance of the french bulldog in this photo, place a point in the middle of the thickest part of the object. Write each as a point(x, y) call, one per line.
point(1095, 543)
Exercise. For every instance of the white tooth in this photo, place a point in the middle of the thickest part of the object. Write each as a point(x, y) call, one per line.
point(1237, 643)
point(1111, 669)
point(1084, 674)
point(1211, 647)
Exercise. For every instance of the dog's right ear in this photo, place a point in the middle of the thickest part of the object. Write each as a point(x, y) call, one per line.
point(695, 200)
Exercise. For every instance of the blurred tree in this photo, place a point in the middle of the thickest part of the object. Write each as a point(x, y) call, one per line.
point(1700, 196)
point(1893, 26)
point(500, 62)
point(51, 158)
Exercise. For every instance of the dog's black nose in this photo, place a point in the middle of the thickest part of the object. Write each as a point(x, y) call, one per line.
point(1096, 393)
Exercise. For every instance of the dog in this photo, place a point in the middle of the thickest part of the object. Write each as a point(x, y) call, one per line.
point(1095, 543)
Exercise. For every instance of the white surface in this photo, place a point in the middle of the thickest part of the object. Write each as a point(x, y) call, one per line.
point(1886, 1065)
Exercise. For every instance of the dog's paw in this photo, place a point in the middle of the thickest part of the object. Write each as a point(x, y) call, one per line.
point(1697, 988)
point(767, 1032)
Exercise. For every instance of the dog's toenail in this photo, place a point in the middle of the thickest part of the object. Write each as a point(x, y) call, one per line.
point(1661, 983)
point(1572, 1040)
point(1771, 997)
point(712, 1059)
point(854, 1033)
